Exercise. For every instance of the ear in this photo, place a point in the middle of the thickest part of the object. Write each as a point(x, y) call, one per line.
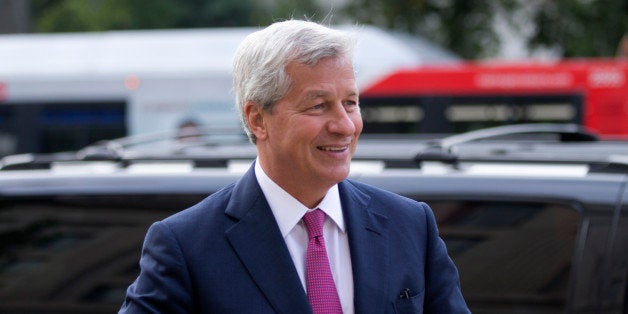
point(255, 118)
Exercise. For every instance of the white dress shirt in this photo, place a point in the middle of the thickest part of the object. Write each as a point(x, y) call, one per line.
point(288, 213)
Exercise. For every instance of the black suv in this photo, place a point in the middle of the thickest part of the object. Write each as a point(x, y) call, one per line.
point(534, 216)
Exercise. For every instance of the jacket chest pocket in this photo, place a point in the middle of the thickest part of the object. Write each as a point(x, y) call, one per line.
point(413, 304)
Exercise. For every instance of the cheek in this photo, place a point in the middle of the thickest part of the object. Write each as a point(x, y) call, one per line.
point(280, 126)
point(308, 127)
point(293, 133)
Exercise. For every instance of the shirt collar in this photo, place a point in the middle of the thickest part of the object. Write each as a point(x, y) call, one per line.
point(288, 211)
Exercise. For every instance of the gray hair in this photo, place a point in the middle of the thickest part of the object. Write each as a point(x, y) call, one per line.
point(259, 73)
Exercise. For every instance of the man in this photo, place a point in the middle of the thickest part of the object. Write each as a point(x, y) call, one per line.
point(253, 247)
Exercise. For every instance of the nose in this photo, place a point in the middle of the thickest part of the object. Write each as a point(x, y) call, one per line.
point(343, 122)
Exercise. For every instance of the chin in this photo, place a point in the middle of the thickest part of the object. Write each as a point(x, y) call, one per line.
point(339, 175)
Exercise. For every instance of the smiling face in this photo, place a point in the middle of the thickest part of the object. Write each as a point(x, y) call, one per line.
point(306, 142)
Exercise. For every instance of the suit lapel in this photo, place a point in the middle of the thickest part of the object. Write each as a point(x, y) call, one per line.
point(257, 241)
point(368, 241)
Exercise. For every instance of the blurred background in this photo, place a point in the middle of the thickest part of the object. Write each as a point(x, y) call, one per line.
point(542, 239)
point(73, 72)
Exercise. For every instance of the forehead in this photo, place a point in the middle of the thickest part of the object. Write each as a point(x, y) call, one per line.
point(330, 71)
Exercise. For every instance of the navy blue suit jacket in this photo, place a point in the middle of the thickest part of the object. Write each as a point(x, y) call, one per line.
point(226, 255)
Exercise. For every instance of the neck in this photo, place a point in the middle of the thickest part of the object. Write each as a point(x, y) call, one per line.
point(310, 194)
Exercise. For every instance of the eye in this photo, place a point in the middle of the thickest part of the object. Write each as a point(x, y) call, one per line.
point(317, 107)
point(351, 105)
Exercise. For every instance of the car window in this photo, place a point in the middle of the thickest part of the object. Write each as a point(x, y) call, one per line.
point(512, 256)
point(75, 254)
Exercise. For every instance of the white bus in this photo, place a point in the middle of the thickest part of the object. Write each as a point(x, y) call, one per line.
point(64, 91)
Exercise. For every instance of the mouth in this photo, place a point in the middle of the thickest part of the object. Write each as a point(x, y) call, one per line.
point(333, 149)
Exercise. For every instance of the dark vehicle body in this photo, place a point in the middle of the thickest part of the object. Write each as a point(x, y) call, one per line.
point(534, 226)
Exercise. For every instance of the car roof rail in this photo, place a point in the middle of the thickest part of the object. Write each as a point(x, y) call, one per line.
point(443, 149)
point(30, 161)
point(121, 149)
point(614, 164)
point(564, 132)
point(103, 150)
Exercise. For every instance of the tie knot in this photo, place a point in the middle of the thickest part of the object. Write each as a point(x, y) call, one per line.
point(314, 221)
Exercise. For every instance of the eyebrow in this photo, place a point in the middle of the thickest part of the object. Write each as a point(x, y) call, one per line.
point(321, 93)
point(315, 94)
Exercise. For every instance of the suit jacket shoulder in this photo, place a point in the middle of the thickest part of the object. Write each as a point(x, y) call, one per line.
point(222, 255)
point(396, 251)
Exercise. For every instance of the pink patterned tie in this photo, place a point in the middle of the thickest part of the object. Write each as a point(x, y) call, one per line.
point(321, 290)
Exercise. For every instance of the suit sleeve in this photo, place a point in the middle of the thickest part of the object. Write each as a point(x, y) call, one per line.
point(443, 294)
point(163, 285)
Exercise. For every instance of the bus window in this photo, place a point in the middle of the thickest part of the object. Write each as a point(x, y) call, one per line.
point(396, 116)
point(457, 114)
point(54, 127)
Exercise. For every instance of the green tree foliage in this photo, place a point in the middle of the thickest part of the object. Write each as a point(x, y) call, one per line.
point(218, 13)
point(578, 28)
point(581, 27)
point(100, 15)
point(463, 26)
